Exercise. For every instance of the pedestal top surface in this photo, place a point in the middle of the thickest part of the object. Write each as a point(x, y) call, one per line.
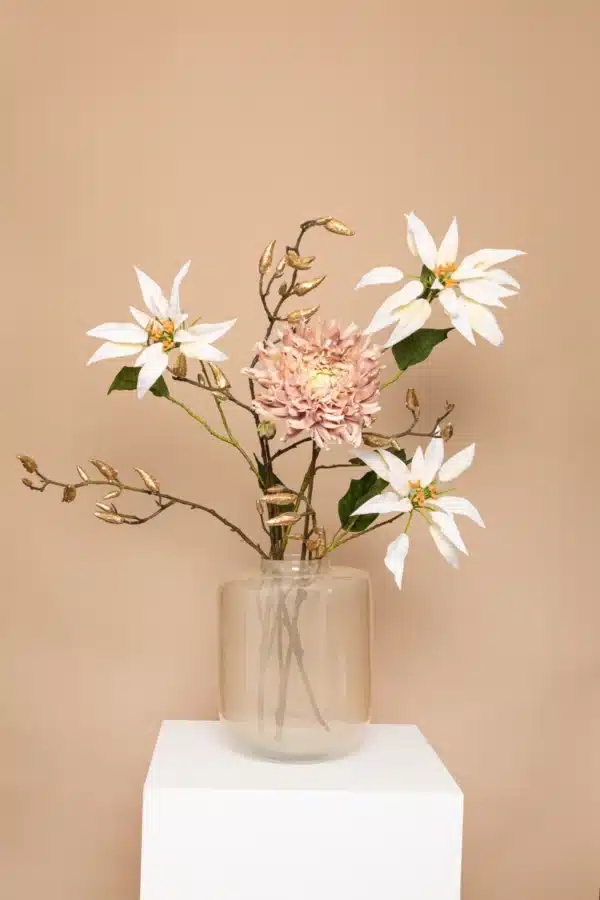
point(196, 756)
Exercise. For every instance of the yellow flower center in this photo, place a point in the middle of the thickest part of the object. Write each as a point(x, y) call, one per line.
point(443, 273)
point(419, 495)
point(161, 331)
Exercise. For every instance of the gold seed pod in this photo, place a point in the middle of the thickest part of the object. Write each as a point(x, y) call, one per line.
point(221, 380)
point(104, 507)
point(303, 287)
point(280, 267)
point(180, 366)
point(82, 474)
point(149, 480)
point(105, 469)
point(412, 401)
point(299, 315)
point(317, 542)
point(299, 262)
point(111, 495)
point(69, 494)
point(447, 431)
point(267, 430)
point(283, 288)
point(323, 220)
point(28, 463)
point(284, 498)
point(376, 441)
point(266, 259)
point(337, 227)
point(27, 482)
point(275, 489)
point(111, 518)
point(285, 519)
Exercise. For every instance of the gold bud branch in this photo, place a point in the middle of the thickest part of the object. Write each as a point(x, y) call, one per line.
point(299, 262)
point(28, 463)
point(337, 227)
point(304, 287)
point(149, 480)
point(266, 258)
point(105, 469)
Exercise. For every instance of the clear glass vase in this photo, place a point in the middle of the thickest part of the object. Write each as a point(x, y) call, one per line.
point(295, 659)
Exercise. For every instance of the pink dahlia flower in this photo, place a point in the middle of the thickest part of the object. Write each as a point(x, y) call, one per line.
point(319, 379)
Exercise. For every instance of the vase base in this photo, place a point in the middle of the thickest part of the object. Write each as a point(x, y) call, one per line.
point(296, 742)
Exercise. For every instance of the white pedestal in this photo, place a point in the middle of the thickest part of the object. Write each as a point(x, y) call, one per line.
point(384, 824)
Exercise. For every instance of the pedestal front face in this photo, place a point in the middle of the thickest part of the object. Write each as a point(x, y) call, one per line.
point(384, 824)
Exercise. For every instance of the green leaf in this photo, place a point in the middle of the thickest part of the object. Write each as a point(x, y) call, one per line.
point(127, 379)
point(360, 490)
point(417, 346)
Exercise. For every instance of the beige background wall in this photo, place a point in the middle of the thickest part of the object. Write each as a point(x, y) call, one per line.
point(153, 132)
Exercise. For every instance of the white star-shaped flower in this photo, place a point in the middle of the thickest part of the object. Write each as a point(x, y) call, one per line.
point(466, 290)
point(418, 488)
point(154, 335)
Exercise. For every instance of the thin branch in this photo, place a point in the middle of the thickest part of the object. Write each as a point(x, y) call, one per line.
point(356, 534)
point(290, 447)
point(213, 390)
point(338, 466)
point(410, 432)
point(170, 498)
point(226, 438)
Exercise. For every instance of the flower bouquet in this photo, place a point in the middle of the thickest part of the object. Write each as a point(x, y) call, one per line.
point(294, 646)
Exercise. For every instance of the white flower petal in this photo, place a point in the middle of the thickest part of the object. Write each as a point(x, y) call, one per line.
point(381, 275)
point(483, 259)
point(447, 549)
point(152, 351)
point(457, 464)
point(445, 522)
point(483, 291)
point(151, 372)
point(410, 319)
point(417, 465)
point(210, 333)
point(174, 304)
point(398, 472)
point(142, 318)
point(463, 326)
point(183, 336)
point(458, 506)
point(383, 504)
point(484, 323)
point(203, 350)
point(126, 333)
point(388, 312)
point(409, 292)
point(448, 249)
point(395, 557)
point(433, 459)
point(152, 294)
point(450, 301)
point(502, 277)
point(112, 351)
point(419, 239)
point(383, 318)
point(375, 460)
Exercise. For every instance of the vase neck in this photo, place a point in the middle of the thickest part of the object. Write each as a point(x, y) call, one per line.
point(294, 566)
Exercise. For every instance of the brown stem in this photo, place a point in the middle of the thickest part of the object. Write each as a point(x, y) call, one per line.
point(137, 520)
